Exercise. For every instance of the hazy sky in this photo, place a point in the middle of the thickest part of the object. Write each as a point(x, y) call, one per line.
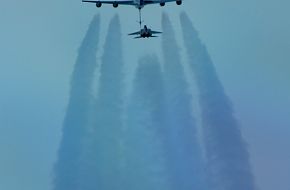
point(249, 42)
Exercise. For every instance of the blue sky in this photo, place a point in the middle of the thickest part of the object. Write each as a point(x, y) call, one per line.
point(249, 42)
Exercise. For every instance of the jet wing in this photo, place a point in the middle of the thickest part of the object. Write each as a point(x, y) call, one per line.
point(110, 2)
point(137, 37)
point(155, 32)
point(134, 33)
point(148, 2)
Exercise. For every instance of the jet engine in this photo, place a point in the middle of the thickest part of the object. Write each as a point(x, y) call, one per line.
point(98, 4)
point(115, 4)
point(178, 2)
point(162, 4)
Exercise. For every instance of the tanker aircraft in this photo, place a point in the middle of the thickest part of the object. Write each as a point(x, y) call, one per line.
point(139, 4)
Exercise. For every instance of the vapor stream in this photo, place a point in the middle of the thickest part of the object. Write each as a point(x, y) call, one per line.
point(183, 150)
point(107, 134)
point(227, 156)
point(75, 123)
point(145, 167)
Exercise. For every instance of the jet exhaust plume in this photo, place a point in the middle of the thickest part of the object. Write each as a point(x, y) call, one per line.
point(107, 118)
point(67, 167)
point(145, 163)
point(183, 148)
point(228, 164)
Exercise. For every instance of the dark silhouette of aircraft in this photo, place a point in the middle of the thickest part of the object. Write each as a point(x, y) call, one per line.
point(139, 4)
point(145, 33)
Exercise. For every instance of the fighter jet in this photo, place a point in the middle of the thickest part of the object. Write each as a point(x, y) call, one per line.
point(139, 4)
point(145, 33)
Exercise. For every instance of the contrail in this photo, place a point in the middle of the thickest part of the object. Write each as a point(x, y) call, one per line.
point(227, 156)
point(67, 167)
point(107, 133)
point(145, 163)
point(183, 149)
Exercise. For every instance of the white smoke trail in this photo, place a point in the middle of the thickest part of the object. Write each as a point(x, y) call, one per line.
point(107, 134)
point(183, 149)
point(227, 156)
point(67, 168)
point(146, 168)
